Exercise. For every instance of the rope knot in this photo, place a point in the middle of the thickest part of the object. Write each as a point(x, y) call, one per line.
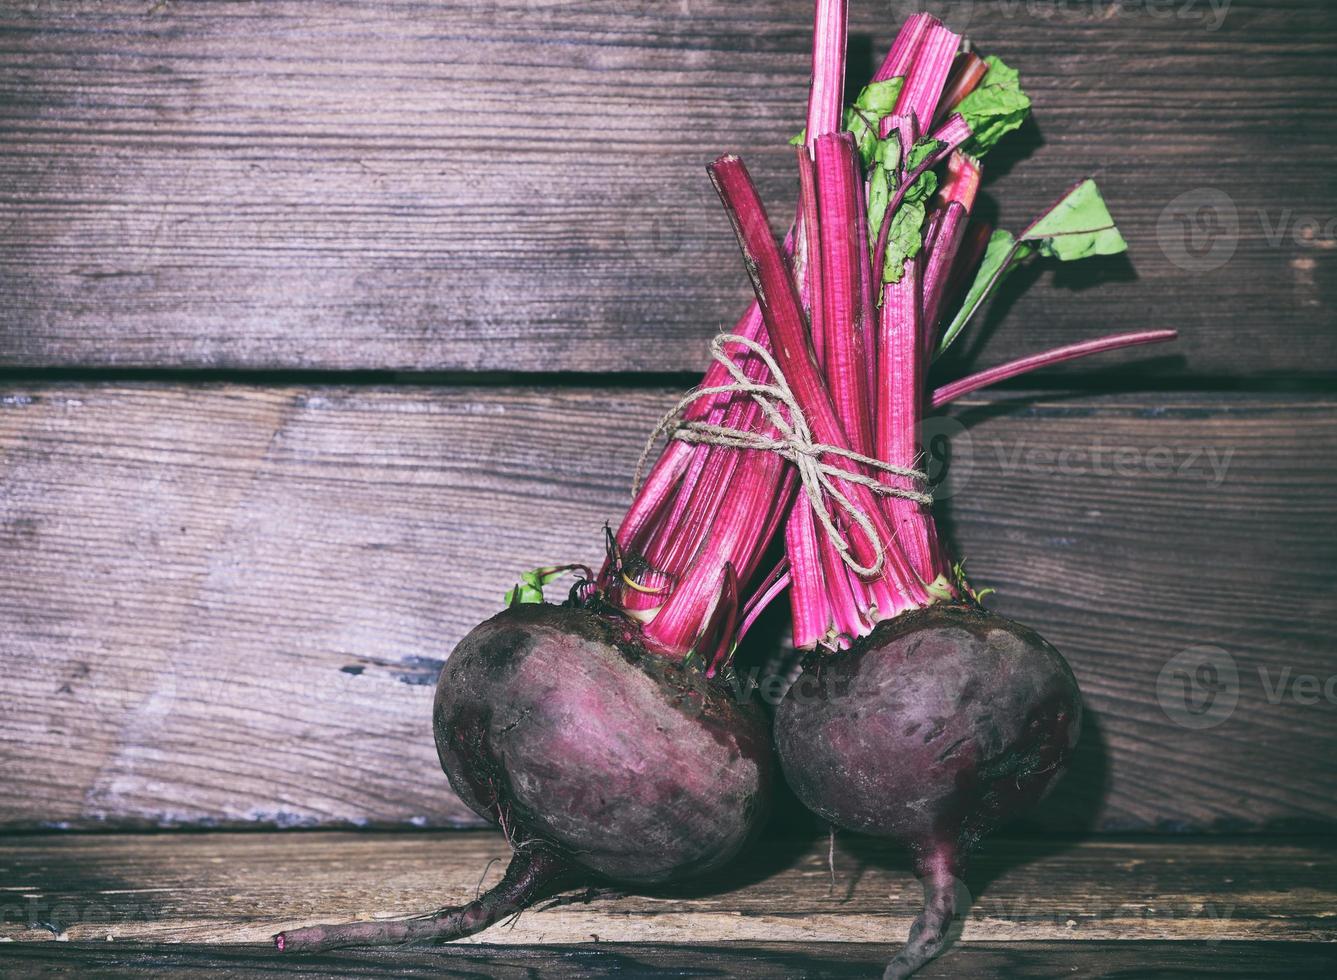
point(792, 441)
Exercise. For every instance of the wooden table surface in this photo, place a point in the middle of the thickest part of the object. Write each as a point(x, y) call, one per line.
point(1095, 907)
point(321, 321)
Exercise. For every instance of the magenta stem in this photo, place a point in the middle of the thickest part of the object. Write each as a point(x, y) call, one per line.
point(827, 94)
point(967, 74)
point(906, 47)
point(950, 392)
point(957, 199)
point(775, 291)
point(928, 74)
point(808, 257)
point(902, 365)
point(744, 513)
point(810, 604)
point(654, 495)
point(844, 316)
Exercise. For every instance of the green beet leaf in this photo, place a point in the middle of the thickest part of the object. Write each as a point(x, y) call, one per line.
point(1078, 227)
point(905, 239)
point(530, 587)
point(995, 108)
point(1003, 254)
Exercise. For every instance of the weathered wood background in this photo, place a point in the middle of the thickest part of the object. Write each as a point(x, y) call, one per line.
point(241, 888)
point(272, 275)
point(228, 604)
point(518, 184)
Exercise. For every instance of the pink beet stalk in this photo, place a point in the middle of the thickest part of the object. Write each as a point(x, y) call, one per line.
point(749, 325)
point(956, 199)
point(844, 315)
point(826, 96)
point(808, 260)
point(654, 496)
point(694, 563)
point(784, 323)
point(692, 515)
point(906, 47)
point(966, 76)
point(845, 596)
point(809, 603)
point(900, 400)
point(742, 516)
point(984, 379)
point(924, 84)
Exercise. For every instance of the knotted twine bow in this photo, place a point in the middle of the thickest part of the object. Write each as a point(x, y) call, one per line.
point(794, 443)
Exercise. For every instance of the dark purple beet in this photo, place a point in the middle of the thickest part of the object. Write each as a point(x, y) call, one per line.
point(592, 755)
point(557, 724)
point(934, 729)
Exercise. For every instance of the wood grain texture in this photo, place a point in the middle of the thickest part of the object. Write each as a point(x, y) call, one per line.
point(749, 961)
point(518, 184)
point(241, 888)
point(227, 606)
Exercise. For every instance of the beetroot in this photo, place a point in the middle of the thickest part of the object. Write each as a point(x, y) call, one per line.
point(557, 724)
point(597, 759)
point(932, 730)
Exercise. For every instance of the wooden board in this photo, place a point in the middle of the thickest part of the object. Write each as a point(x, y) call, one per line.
point(227, 606)
point(519, 185)
point(773, 961)
point(241, 888)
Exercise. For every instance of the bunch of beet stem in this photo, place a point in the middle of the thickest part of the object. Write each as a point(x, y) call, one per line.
point(856, 351)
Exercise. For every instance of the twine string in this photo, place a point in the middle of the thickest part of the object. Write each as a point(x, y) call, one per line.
point(793, 442)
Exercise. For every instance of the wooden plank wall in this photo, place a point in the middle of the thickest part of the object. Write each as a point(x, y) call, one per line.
point(319, 322)
point(519, 184)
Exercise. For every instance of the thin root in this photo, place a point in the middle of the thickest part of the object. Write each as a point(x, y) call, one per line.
point(529, 872)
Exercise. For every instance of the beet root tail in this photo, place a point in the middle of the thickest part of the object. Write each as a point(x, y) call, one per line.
point(939, 873)
point(529, 872)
